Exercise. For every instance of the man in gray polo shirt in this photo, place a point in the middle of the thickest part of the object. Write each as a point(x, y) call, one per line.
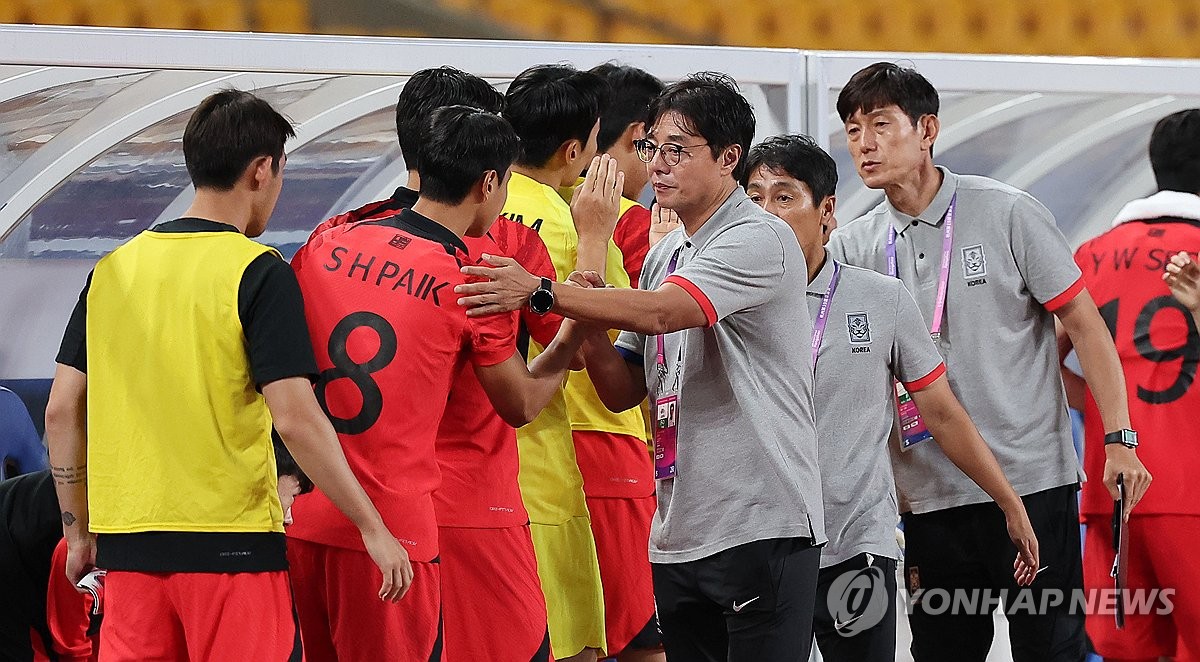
point(867, 334)
point(715, 335)
point(987, 267)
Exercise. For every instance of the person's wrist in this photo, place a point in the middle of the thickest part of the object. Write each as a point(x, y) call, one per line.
point(1118, 450)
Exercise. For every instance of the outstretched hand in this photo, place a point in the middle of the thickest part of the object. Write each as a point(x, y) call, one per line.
point(504, 286)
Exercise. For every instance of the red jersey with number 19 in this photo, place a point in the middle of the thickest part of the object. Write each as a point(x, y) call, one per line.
point(1159, 347)
point(389, 337)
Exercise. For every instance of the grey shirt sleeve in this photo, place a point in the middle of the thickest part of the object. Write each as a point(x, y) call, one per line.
point(739, 269)
point(915, 359)
point(1041, 252)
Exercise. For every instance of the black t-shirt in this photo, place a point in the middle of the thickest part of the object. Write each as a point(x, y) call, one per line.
point(30, 529)
point(270, 307)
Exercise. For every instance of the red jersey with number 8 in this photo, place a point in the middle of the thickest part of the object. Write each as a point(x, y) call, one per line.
point(1159, 347)
point(389, 338)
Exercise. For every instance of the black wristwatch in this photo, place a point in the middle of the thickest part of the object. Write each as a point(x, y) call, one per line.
point(1126, 437)
point(542, 299)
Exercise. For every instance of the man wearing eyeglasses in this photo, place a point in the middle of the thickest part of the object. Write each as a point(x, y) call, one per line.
point(712, 336)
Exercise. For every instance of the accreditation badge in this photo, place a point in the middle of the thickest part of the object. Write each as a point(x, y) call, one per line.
point(912, 426)
point(666, 419)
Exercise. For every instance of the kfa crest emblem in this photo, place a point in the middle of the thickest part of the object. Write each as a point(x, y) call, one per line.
point(859, 328)
point(974, 262)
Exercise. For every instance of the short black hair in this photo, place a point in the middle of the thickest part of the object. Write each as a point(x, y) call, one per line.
point(459, 144)
point(226, 132)
point(430, 89)
point(712, 108)
point(800, 158)
point(884, 84)
point(630, 91)
point(550, 104)
point(1175, 152)
point(285, 464)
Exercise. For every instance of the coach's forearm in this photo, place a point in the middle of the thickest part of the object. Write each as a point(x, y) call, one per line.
point(649, 312)
point(962, 444)
point(1099, 360)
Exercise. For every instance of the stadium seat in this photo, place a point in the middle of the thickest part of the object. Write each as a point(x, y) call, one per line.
point(167, 14)
point(21, 449)
point(113, 13)
point(12, 11)
point(289, 16)
point(529, 18)
point(635, 32)
point(228, 15)
point(748, 24)
point(53, 12)
point(574, 24)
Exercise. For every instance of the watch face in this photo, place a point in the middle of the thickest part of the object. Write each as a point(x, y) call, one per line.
point(541, 301)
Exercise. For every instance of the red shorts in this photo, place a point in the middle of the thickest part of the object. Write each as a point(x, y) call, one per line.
point(68, 615)
point(491, 596)
point(1159, 558)
point(198, 616)
point(342, 617)
point(622, 531)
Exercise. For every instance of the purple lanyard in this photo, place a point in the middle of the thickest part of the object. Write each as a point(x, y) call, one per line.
point(660, 359)
point(939, 308)
point(823, 312)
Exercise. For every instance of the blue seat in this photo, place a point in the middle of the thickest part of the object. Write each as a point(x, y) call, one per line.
point(21, 449)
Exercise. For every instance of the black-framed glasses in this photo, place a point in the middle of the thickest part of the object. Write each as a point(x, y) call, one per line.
point(672, 153)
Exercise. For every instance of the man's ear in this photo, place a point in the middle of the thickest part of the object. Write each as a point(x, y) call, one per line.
point(635, 131)
point(571, 150)
point(259, 173)
point(828, 222)
point(929, 127)
point(489, 184)
point(730, 157)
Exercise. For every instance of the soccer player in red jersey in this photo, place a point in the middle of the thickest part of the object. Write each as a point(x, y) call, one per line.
point(1159, 346)
point(488, 564)
point(390, 340)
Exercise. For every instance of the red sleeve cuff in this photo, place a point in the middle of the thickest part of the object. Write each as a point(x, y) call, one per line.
point(710, 313)
point(1066, 297)
point(927, 379)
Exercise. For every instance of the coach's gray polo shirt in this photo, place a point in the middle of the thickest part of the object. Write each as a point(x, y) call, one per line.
point(747, 443)
point(874, 331)
point(1010, 267)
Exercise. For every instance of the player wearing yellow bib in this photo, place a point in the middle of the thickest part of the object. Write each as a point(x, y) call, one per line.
point(556, 110)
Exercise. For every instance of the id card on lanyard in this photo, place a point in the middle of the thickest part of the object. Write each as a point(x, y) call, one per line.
point(666, 404)
point(912, 427)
